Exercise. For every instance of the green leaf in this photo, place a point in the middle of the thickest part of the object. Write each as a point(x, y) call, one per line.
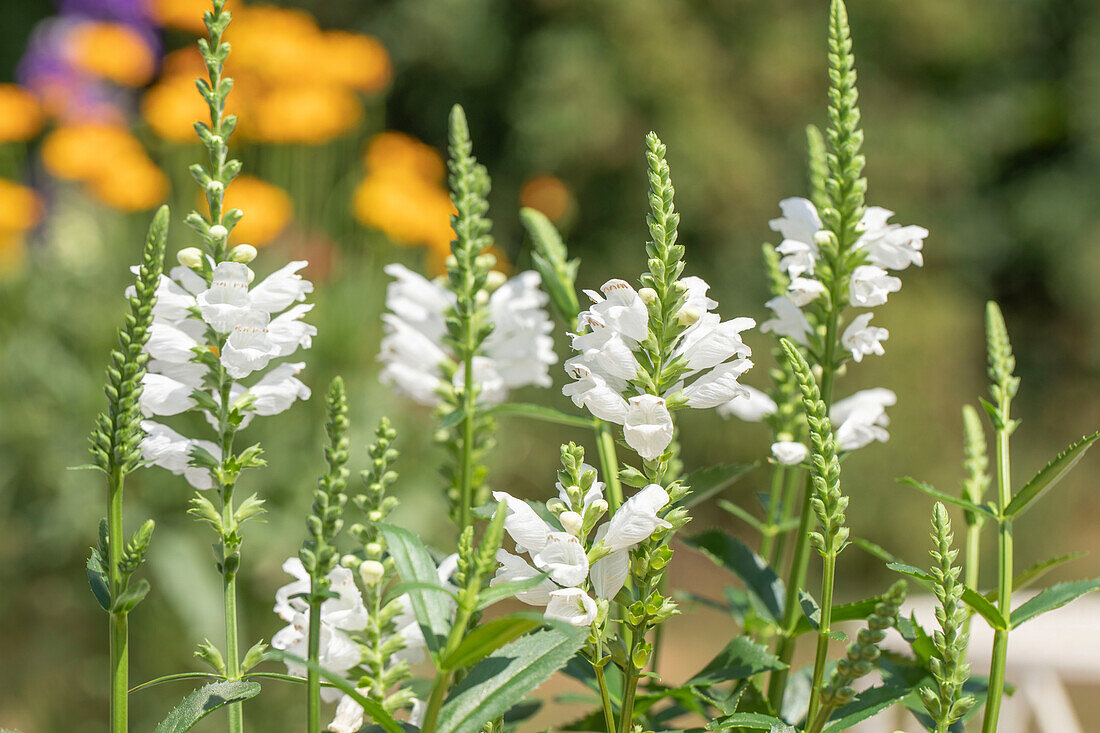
point(970, 597)
point(875, 550)
point(761, 580)
point(498, 682)
point(753, 721)
point(855, 611)
point(490, 636)
point(97, 578)
point(945, 498)
point(706, 482)
point(500, 591)
point(130, 597)
point(372, 707)
point(415, 565)
point(1053, 597)
point(743, 515)
point(1051, 474)
point(741, 658)
point(869, 702)
point(205, 700)
point(545, 414)
point(1035, 572)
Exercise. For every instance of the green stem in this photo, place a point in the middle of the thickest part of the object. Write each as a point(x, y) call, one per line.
point(790, 495)
point(609, 464)
point(466, 487)
point(767, 543)
point(605, 698)
point(1004, 585)
point(230, 559)
point(626, 716)
point(435, 701)
point(313, 682)
point(119, 622)
point(821, 658)
point(973, 559)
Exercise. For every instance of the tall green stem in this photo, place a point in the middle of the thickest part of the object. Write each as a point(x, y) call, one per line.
point(605, 699)
point(466, 487)
point(821, 658)
point(313, 682)
point(1004, 584)
point(119, 622)
point(230, 554)
point(767, 543)
point(973, 560)
point(609, 464)
point(790, 494)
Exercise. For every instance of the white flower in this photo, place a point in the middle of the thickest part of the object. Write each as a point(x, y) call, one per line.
point(491, 387)
point(621, 309)
point(751, 405)
point(695, 290)
point(171, 451)
point(349, 714)
point(170, 343)
point(710, 341)
point(167, 387)
point(564, 558)
point(870, 286)
point(573, 606)
point(804, 290)
point(338, 652)
point(520, 344)
point(416, 714)
point(718, 386)
point(346, 611)
point(798, 225)
point(789, 453)
point(862, 418)
point(647, 426)
point(224, 304)
point(637, 518)
point(789, 320)
point(890, 245)
point(277, 390)
point(605, 351)
point(281, 289)
point(288, 332)
point(863, 339)
point(514, 567)
point(248, 347)
point(592, 392)
point(526, 528)
point(609, 573)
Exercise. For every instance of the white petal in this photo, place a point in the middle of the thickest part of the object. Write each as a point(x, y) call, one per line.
point(637, 518)
point(526, 528)
point(609, 573)
point(281, 289)
point(718, 386)
point(573, 606)
point(751, 405)
point(349, 715)
point(512, 567)
point(248, 348)
point(564, 558)
point(226, 301)
point(789, 453)
point(161, 395)
point(647, 426)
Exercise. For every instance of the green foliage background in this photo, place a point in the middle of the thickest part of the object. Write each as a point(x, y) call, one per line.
point(981, 124)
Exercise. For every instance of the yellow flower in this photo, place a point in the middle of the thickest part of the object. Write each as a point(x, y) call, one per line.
point(20, 115)
point(407, 209)
point(390, 152)
point(113, 51)
point(172, 107)
point(354, 60)
point(82, 152)
point(278, 43)
point(547, 194)
point(304, 114)
point(184, 15)
point(267, 210)
point(130, 184)
point(20, 208)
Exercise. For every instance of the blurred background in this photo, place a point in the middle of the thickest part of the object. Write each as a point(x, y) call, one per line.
point(981, 123)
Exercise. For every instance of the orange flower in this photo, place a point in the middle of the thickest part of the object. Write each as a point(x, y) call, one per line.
point(184, 15)
point(172, 107)
point(20, 115)
point(304, 114)
point(186, 62)
point(278, 43)
point(267, 210)
point(130, 184)
point(82, 152)
point(547, 194)
point(113, 51)
point(20, 208)
point(389, 152)
point(354, 60)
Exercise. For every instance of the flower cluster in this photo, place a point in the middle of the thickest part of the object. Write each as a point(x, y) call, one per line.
point(614, 342)
point(883, 246)
point(518, 352)
point(208, 322)
point(565, 555)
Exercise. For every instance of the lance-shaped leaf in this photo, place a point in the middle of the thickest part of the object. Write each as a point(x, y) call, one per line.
point(415, 565)
point(498, 682)
point(752, 721)
point(1053, 597)
point(760, 580)
point(870, 702)
point(1035, 572)
point(490, 636)
point(97, 579)
point(945, 498)
point(970, 597)
point(534, 412)
point(742, 658)
point(1051, 474)
point(204, 701)
point(131, 596)
point(855, 611)
point(706, 482)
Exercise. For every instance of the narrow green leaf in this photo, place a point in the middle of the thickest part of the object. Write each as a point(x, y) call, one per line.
point(204, 701)
point(945, 498)
point(97, 578)
point(415, 565)
point(132, 596)
point(1035, 572)
point(875, 550)
point(732, 554)
point(372, 707)
point(402, 588)
point(490, 636)
point(706, 482)
point(810, 610)
point(740, 659)
point(752, 721)
point(855, 611)
point(545, 414)
point(500, 591)
point(498, 682)
point(1053, 597)
point(869, 702)
point(1051, 474)
point(972, 598)
point(743, 515)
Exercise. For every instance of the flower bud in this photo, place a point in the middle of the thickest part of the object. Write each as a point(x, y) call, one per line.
point(218, 232)
point(556, 506)
point(688, 316)
point(374, 515)
point(374, 549)
point(215, 187)
point(190, 257)
point(481, 298)
point(485, 262)
point(242, 253)
point(823, 238)
point(571, 522)
point(495, 279)
point(648, 295)
point(450, 262)
point(349, 561)
point(251, 275)
point(371, 571)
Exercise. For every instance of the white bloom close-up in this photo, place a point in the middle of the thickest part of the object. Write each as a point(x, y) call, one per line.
point(798, 225)
point(804, 290)
point(789, 453)
point(871, 285)
point(891, 246)
point(861, 418)
point(863, 339)
point(647, 426)
point(789, 320)
point(751, 405)
point(168, 449)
